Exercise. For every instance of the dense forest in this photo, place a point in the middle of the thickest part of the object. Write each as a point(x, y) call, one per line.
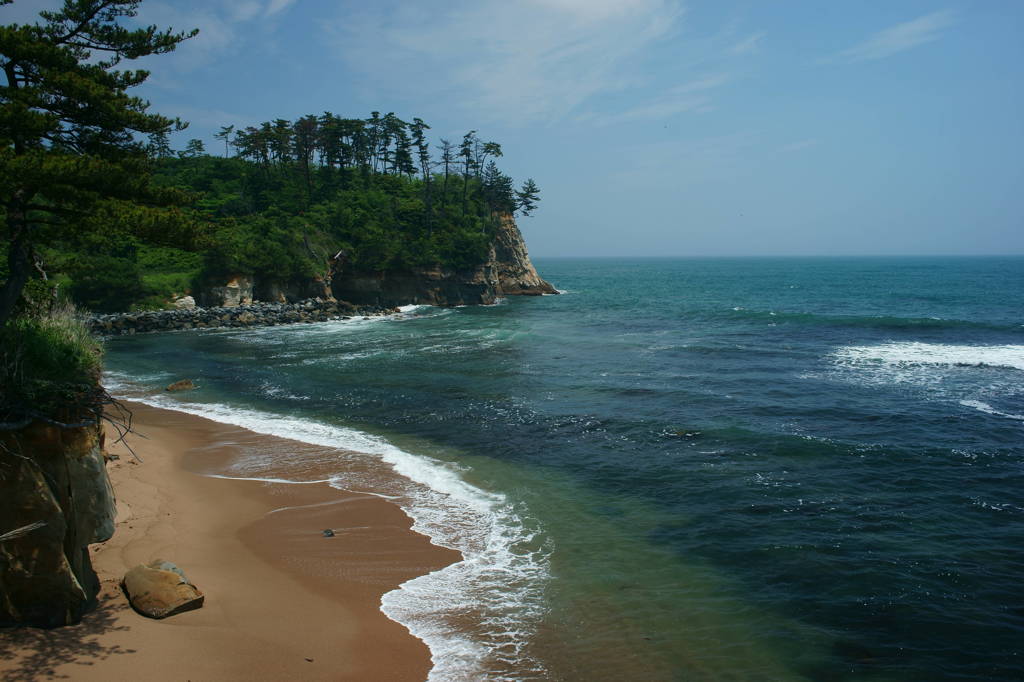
point(287, 196)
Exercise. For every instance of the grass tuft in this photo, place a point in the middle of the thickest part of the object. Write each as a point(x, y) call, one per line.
point(50, 364)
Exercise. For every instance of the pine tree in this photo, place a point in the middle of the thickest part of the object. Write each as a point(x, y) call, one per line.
point(193, 149)
point(68, 128)
point(527, 197)
point(225, 134)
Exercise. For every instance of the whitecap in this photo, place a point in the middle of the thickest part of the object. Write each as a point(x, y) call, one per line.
point(988, 409)
point(912, 353)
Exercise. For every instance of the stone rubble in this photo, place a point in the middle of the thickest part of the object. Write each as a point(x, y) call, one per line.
point(257, 314)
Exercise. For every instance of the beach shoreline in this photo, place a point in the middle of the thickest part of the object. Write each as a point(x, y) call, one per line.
point(282, 600)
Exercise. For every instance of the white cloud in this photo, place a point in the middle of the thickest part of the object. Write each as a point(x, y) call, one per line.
point(275, 6)
point(536, 60)
point(900, 37)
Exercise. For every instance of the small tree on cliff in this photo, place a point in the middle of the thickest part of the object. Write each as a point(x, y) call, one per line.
point(68, 130)
point(527, 197)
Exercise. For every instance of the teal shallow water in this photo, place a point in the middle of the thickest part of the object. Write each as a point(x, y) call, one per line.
point(681, 469)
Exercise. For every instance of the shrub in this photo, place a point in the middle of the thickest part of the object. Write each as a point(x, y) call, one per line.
point(49, 365)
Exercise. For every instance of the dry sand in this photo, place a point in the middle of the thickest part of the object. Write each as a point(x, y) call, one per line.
point(282, 601)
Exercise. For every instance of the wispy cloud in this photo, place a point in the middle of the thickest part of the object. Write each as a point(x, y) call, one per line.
point(748, 45)
point(224, 26)
point(899, 38)
point(535, 60)
point(692, 96)
point(275, 6)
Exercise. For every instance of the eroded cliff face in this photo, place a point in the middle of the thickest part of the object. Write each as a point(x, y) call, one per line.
point(507, 272)
point(55, 500)
point(513, 269)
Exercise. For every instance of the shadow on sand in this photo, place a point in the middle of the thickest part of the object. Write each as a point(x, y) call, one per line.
point(30, 654)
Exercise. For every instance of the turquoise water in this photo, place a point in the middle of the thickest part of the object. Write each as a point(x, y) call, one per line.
point(680, 469)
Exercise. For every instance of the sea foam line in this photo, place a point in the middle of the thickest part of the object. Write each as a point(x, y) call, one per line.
point(904, 353)
point(501, 575)
point(988, 409)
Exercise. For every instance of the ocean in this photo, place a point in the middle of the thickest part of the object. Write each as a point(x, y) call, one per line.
point(679, 469)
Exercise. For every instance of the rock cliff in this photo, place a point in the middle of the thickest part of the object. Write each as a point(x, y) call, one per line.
point(513, 269)
point(55, 500)
point(506, 272)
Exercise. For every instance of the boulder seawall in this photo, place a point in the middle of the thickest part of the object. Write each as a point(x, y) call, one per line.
point(246, 315)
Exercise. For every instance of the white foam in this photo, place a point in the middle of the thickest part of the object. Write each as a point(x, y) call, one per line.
point(988, 409)
point(503, 571)
point(909, 353)
point(262, 479)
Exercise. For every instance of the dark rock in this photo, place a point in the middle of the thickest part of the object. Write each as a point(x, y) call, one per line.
point(55, 500)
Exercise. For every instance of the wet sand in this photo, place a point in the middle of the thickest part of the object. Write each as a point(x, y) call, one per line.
point(283, 602)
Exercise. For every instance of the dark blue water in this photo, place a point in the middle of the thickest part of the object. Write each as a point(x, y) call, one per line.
point(729, 468)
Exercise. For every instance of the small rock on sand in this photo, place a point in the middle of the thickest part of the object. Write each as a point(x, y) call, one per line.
point(183, 385)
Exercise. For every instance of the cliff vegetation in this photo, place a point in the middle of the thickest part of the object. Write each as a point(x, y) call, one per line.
point(290, 201)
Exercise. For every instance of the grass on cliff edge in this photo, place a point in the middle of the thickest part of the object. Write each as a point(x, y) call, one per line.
point(49, 365)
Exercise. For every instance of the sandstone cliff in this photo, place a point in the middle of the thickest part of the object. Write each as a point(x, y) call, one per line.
point(55, 500)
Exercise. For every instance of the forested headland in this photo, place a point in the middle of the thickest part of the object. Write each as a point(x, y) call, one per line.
point(282, 199)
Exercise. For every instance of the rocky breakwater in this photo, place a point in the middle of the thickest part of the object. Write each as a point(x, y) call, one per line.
point(55, 500)
point(248, 315)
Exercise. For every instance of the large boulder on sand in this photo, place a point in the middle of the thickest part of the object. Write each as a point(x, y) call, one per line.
point(160, 589)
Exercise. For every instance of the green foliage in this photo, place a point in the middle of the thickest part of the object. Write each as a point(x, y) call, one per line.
point(49, 363)
point(103, 283)
point(301, 192)
point(297, 195)
point(68, 128)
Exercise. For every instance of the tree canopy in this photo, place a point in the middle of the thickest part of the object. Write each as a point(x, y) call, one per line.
point(70, 150)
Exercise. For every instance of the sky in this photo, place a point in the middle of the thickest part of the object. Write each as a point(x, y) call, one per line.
point(655, 127)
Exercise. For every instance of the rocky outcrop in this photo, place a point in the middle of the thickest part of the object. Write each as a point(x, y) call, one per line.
point(55, 500)
point(273, 291)
point(183, 385)
point(160, 589)
point(507, 271)
point(511, 265)
point(237, 291)
point(420, 286)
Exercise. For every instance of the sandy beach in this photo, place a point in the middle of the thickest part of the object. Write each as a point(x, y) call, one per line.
point(283, 602)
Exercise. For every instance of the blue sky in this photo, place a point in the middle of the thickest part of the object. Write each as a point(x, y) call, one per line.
point(657, 127)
